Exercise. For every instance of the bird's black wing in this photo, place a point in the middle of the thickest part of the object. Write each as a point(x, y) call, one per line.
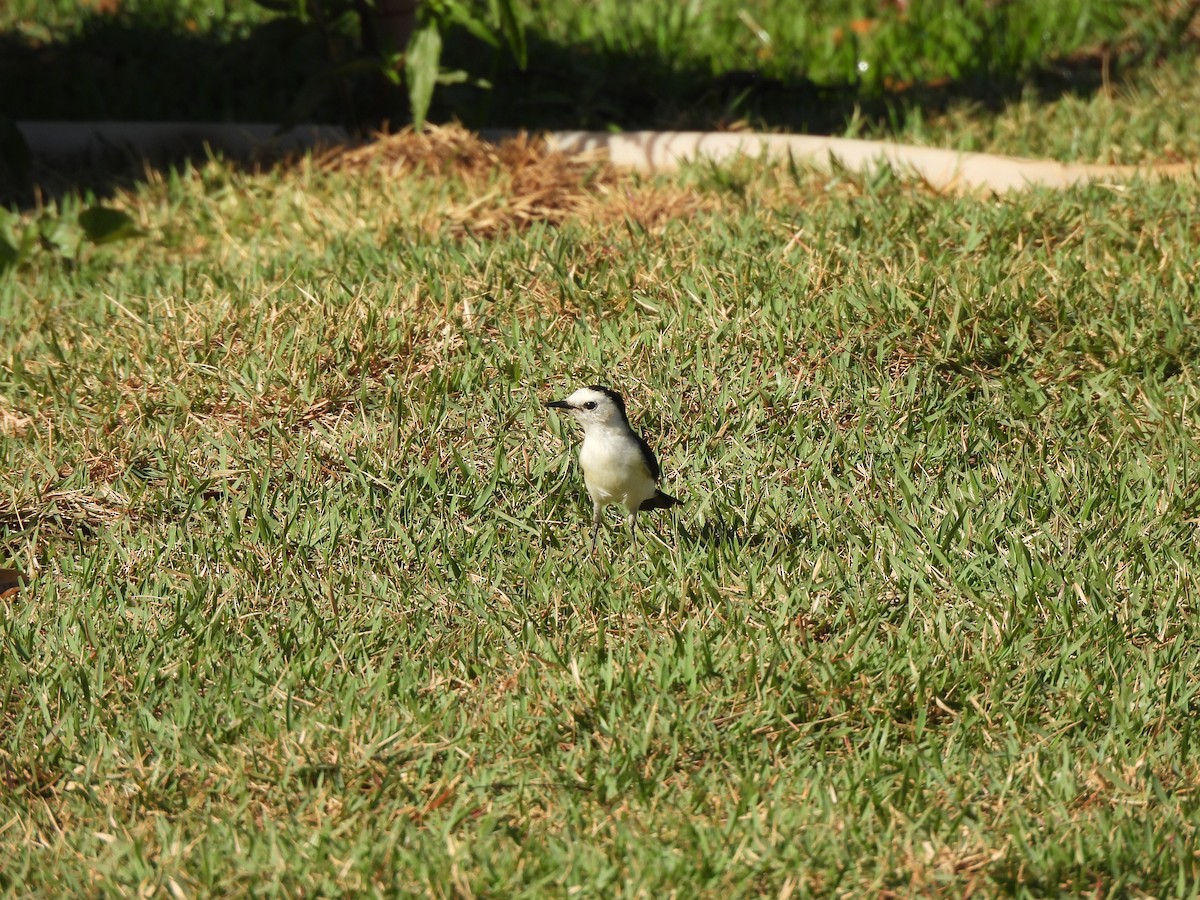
point(648, 458)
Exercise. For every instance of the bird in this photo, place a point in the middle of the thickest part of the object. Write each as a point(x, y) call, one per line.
point(618, 465)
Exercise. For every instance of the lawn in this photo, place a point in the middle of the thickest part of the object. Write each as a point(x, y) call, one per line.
point(312, 608)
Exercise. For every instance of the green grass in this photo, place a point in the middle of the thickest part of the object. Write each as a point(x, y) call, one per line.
point(312, 612)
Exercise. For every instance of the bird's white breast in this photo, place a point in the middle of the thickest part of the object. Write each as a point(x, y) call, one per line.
point(613, 470)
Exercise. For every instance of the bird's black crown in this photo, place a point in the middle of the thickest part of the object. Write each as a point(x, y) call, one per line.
point(613, 396)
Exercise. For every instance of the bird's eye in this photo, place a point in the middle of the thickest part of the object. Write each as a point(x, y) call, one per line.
point(591, 404)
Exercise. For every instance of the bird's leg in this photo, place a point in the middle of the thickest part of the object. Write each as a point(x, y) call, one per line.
point(632, 518)
point(597, 510)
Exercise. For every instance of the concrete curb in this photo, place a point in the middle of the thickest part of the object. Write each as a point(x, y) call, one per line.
point(647, 151)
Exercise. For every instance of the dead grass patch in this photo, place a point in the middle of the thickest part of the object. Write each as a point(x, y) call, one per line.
point(68, 510)
point(12, 423)
point(513, 184)
point(517, 183)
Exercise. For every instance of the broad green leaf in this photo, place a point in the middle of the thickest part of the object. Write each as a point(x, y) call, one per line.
point(9, 255)
point(103, 224)
point(455, 12)
point(16, 242)
point(61, 236)
point(421, 68)
point(297, 8)
point(513, 32)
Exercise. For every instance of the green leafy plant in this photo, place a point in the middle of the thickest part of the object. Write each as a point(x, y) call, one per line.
point(381, 60)
point(63, 232)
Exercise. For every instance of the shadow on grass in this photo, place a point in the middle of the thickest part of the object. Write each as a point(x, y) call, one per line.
point(121, 68)
point(715, 533)
point(584, 87)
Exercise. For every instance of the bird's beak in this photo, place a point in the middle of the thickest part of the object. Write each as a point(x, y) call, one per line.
point(558, 404)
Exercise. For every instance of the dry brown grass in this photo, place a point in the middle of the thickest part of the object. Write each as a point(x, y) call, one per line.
point(516, 183)
point(67, 509)
point(12, 423)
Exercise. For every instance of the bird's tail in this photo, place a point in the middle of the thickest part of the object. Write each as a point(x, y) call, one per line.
point(659, 501)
